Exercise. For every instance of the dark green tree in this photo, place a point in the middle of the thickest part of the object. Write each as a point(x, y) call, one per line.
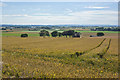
point(54, 34)
point(44, 33)
point(47, 33)
point(100, 34)
point(60, 34)
point(68, 33)
point(65, 33)
point(24, 35)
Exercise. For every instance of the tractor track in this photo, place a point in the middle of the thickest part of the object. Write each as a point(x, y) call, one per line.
point(105, 50)
point(95, 47)
point(81, 53)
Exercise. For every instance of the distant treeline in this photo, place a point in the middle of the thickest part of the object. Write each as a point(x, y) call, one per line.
point(106, 29)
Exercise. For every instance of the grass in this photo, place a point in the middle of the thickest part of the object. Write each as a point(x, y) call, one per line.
point(18, 34)
point(79, 31)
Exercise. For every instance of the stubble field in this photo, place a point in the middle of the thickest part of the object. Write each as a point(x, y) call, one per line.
point(56, 57)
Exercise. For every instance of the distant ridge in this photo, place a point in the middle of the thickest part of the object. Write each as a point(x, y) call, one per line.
point(65, 25)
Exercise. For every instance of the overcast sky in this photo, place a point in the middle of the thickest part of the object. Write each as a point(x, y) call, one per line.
point(83, 13)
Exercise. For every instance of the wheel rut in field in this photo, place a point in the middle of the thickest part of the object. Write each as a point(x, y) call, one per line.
point(84, 52)
point(105, 50)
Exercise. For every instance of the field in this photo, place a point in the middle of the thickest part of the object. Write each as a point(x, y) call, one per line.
point(35, 33)
point(50, 57)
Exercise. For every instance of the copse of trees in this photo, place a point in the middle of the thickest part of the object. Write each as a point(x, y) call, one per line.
point(44, 33)
point(69, 33)
point(65, 33)
point(3, 28)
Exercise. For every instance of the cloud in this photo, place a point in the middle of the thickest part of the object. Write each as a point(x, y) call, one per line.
point(80, 17)
point(69, 10)
point(15, 15)
point(42, 14)
point(93, 7)
point(2, 4)
point(96, 17)
point(94, 13)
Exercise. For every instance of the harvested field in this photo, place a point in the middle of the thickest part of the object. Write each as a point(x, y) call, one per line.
point(51, 57)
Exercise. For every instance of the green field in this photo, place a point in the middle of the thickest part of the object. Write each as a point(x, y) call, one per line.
point(100, 31)
point(79, 31)
point(18, 34)
point(35, 33)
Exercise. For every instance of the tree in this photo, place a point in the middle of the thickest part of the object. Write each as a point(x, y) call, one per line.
point(65, 33)
point(44, 33)
point(70, 33)
point(60, 34)
point(76, 34)
point(100, 34)
point(47, 33)
point(24, 35)
point(54, 34)
point(3, 28)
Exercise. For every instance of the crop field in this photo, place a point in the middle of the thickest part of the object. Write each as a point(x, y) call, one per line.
point(35, 33)
point(60, 57)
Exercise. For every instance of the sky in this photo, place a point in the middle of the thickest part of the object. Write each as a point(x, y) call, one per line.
point(60, 13)
point(60, 0)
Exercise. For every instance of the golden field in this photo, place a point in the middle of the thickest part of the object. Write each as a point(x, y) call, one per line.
point(51, 57)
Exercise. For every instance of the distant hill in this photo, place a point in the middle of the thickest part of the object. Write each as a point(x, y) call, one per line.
point(67, 25)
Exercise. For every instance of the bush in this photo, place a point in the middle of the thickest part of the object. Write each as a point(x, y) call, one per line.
point(24, 35)
point(100, 34)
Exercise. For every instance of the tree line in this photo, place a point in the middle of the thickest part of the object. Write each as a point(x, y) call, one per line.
point(70, 33)
point(106, 29)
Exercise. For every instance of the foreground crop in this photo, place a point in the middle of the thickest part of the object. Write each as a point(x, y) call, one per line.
point(50, 58)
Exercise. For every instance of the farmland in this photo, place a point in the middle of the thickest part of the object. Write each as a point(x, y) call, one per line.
point(59, 40)
point(50, 57)
point(35, 33)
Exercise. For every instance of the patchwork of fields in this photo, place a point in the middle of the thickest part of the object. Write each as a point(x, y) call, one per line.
point(56, 57)
point(35, 33)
